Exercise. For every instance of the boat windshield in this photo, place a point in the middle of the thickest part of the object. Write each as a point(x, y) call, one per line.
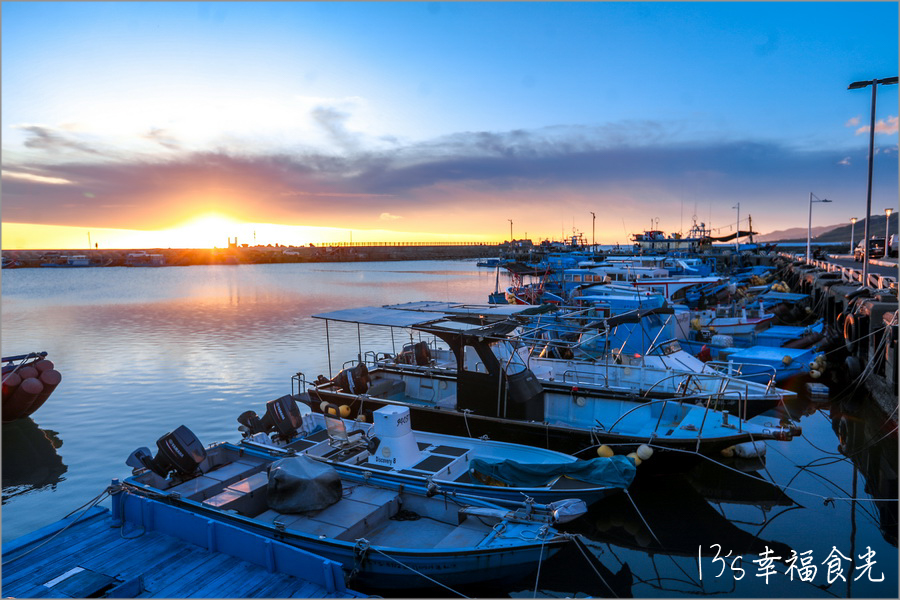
point(508, 357)
point(666, 348)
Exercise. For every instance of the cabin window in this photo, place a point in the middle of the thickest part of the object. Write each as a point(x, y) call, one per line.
point(576, 278)
point(509, 359)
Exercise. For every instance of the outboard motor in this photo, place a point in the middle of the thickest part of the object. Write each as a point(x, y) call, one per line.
point(354, 380)
point(179, 451)
point(282, 418)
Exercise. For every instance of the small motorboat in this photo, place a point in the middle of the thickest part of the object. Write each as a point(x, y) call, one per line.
point(386, 535)
point(388, 449)
point(28, 380)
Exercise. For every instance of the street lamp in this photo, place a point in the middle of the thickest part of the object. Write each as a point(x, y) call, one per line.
point(809, 229)
point(887, 216)
point(737, 233)
point(856, 85)
point(510, 231)
point(593, 230)
point(852, 234)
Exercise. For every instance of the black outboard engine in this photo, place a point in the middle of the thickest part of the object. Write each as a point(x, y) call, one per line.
point(179, 451)
point(282, 418)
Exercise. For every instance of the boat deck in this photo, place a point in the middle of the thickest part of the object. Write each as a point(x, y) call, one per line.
point(90, 557)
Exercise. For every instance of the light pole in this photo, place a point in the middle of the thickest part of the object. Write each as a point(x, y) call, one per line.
point(593, 230)
point(887, 216)
point(737, 234)
point(510, 231)
point(852, 234)
point(856, 85)
point(809, 229)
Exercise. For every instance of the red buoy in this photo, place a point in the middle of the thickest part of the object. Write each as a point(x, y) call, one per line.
point(50, 379)
point(28, 372)
point(11, 381)
point(43, 365)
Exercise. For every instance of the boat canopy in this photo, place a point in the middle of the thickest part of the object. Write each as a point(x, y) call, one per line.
point(614, 471)
point(418, 314)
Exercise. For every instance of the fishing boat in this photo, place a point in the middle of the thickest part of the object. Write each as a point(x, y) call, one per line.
point(489, 390)
point(385, 535)
point(389, 450)
point(732, 319)
point(28, 380)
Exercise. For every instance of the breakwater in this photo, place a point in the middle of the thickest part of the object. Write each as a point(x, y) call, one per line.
point(236, 255)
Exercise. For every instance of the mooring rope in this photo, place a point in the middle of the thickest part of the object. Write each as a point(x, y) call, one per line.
point(460, 594)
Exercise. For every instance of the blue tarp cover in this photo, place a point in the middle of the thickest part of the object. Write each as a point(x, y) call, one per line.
point(615, 471)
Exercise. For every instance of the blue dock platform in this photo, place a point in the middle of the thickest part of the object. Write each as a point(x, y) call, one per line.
point(148, 549)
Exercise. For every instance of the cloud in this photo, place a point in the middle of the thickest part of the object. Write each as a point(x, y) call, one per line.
point(469, 173)
point(42, 137)
point(887, 126)
point(163, 138)
point(36, 178)
point(854, 122)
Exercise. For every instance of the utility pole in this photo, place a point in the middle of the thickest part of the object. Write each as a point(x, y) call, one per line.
point(593, 229)
point(510, 231)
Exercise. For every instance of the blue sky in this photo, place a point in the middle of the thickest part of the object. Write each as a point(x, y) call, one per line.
point(440, 118)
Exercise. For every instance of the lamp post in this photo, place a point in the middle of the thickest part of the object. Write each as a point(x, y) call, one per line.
point(737, 232)
point(593, 230)
point(809, 229)
point(856, 85)
point(852, 234)
point(510, 231)
point(887, 216)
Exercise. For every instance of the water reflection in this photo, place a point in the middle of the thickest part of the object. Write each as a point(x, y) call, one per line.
point(30, 461)
point(869, 438)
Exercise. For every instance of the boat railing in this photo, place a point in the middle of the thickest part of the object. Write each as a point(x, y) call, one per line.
point(662, 413)
point(737, 371)
point(594, 377)
point(300, 378)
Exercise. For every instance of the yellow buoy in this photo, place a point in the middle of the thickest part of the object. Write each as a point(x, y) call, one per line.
point(815, 374)
point(637, 459)
point(644, 451)
point(727, 452)
point(605, 451)
point(345, 411)
point(786, 360)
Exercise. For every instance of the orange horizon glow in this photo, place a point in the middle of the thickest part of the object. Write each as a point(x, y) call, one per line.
point(210, 230)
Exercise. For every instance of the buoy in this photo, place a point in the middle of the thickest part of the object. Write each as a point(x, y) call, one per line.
point(28, 372)
point(361, 418)
point(750, 449)
point(815, 374)
point(22, 398)
point(644, 452)
point(643, 538)
point(727, 452)
point(10, 382)
point(787, 360)
point(605, 451)
point(43, 365)
point(323, 406)
point(50, 378)
point(344, 410)
point(632, 527)
point(634, 457)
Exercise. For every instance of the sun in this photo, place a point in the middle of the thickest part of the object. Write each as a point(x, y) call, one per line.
point(209, 230)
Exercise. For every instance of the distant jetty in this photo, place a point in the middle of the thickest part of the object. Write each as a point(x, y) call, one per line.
point(245, 254)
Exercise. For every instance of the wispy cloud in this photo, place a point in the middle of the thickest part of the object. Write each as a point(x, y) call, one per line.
point(887, 126)
point(385, 216)
point(163, 138)
point(35, 178)
point(854, 122)
point(42, 137)
point(845, 161)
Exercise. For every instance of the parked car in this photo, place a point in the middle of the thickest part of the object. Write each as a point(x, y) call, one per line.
point(876, 249)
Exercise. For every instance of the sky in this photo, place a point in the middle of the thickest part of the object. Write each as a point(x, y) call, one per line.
point(183, 124)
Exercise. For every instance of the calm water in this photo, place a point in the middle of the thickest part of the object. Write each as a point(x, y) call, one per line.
point(145, 350)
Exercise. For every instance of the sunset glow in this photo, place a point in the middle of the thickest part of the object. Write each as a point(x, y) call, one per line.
point(314, 122)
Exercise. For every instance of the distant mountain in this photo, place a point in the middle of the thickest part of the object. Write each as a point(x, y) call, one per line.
point(833, 233)
point(794, 233)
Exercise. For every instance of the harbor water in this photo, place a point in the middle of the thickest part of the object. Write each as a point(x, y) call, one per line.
point(143, 351)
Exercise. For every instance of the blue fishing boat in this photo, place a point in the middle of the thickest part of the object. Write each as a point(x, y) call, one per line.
point(386, 536)
point(389, 450)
